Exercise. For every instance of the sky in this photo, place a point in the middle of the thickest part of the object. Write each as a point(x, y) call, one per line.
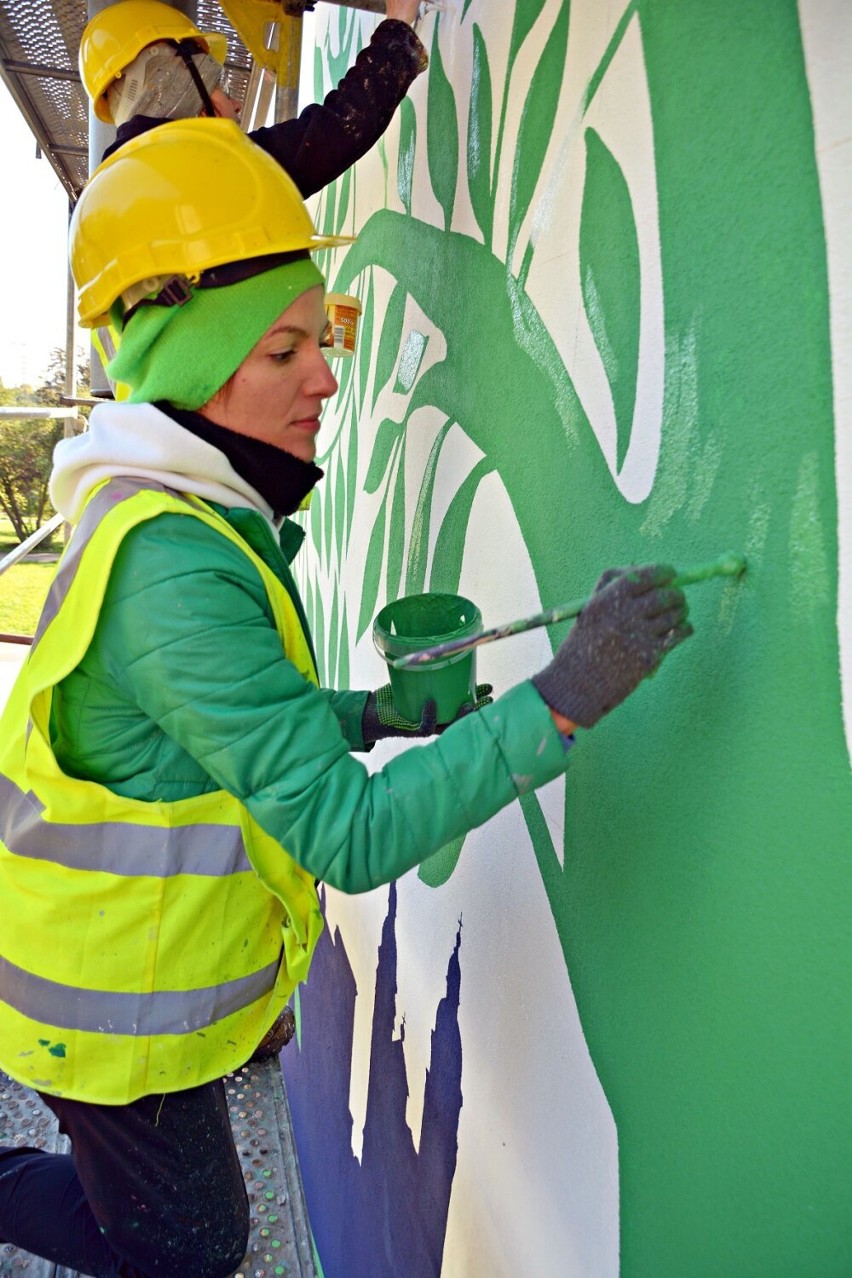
point(33, 261)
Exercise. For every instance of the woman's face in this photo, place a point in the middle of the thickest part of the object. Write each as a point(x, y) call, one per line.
point(277, 393)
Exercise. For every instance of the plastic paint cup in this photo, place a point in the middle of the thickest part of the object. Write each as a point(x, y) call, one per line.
point(342, 310)
point(419, 621)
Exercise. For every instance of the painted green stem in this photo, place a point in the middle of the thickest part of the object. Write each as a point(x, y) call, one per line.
point(728, 565)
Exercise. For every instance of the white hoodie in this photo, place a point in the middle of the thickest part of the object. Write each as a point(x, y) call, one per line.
point(138, 441)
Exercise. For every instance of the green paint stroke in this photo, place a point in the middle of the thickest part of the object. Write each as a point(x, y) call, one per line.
point(442, 142)
point(809, 572)
point(437, 869)
point(410, 360)
point(702, 907)
point(609, 270)
point(536, 126)
point(479, 138)
point(730, 564)
point(55, 1049)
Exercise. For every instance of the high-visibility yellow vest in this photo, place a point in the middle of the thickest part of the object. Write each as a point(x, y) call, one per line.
point(145, 947)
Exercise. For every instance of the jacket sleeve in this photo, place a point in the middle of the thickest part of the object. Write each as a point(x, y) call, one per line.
point(348, 708)
point(186, 635)
point(327, 139)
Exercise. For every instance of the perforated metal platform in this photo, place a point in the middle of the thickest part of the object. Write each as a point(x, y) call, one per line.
point(280, 1239)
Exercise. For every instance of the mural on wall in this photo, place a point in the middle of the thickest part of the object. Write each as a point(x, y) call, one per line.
point(397, 1194)
point(594, 282)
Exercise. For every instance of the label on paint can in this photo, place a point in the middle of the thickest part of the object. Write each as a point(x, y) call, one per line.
point(343, 311)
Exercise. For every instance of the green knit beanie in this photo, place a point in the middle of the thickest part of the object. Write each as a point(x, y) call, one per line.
point(186, 353)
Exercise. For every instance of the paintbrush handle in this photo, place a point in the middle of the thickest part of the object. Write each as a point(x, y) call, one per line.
point(727, 565)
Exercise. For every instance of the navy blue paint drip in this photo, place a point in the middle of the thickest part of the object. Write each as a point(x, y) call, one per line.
point(387, 1214)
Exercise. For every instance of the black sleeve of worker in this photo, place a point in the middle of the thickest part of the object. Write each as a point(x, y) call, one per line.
point(326, 140)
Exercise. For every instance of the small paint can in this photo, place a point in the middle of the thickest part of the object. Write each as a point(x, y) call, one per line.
point(342, 310)
point(421, 621)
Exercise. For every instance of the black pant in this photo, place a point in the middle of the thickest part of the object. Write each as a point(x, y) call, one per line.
point(150, 1189)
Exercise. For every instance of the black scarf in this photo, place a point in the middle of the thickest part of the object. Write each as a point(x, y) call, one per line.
point(131, 129)
point(281, 479)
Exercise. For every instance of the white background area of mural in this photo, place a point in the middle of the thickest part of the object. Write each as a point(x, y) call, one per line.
point(411, 485)
point(827, 40)
point(549, 1200)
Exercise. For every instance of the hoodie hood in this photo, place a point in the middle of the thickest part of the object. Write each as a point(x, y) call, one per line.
point(139, 441)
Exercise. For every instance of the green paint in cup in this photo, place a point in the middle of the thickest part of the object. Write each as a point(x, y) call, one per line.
point(420, 621)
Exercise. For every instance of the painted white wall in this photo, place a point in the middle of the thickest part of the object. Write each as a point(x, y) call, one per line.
point(827, 39)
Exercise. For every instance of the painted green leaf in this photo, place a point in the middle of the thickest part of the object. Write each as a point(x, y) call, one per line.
point(372, 572)
point(345, 186)
point(614, 44)
point(342, 680)
point(479, 139)
point(465, 7)
point(449, 547)
point(328, 222)
point(365, 340)
point(609, 272)
point(307, 592)
point(319, 640)
point(418, 549)
point(339, 503)
point(396, 540)
point(389, 341)
point(339, 64)
point(351, 471)
point(328, 522)
point(319, 81)
point(407, 145)
point(537, 125)
point(539, 833)
point(342, 369)
point(315, 523)
point(527, 13)
point(442, 134)
point(386, 436)
point(438, 867)
point(333, 638)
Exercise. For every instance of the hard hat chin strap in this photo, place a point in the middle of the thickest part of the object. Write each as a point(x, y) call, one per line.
point(178, 289)
point(185, 50)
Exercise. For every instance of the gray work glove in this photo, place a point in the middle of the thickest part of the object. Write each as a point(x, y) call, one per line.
point(625, 629)
point(382, 719)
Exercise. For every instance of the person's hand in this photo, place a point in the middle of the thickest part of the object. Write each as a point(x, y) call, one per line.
point(382, 719)
point(403, 10)
point(626, 628)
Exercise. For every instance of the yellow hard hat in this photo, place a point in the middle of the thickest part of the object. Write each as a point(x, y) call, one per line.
point(118, 33)
point(177, 200)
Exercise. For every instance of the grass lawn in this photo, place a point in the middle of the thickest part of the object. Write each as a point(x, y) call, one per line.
point(23, 589)
point(8, 539)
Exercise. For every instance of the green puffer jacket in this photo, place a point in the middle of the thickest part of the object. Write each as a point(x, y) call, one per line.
point(185, 689)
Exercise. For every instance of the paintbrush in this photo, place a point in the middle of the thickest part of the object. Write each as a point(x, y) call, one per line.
point(727, 565)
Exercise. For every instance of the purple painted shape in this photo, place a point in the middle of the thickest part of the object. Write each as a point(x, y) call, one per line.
point(387, 1214)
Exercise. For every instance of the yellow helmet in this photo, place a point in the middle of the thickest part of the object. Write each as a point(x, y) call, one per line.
point(177, 200)
point(118, 33)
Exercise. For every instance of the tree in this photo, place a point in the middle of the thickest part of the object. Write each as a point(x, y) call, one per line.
point(26, 452)
point(27, 444)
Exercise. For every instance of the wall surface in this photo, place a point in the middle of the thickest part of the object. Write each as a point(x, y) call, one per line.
point(603, 258)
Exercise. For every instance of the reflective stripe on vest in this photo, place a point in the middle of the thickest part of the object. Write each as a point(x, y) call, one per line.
point(105, 1012)
point(189, 849)
point(147, 946)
